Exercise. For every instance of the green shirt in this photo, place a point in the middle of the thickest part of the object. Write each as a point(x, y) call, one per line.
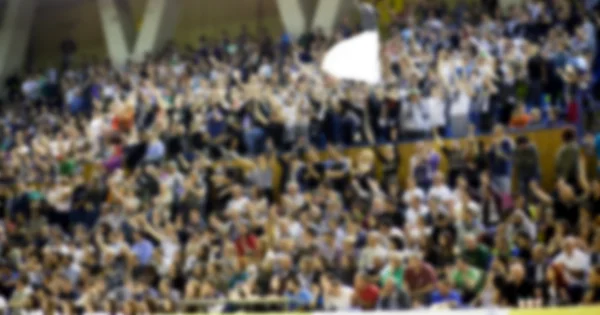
point(478, 257)
point(397, 275)
point(462, 278)
point(67, 167)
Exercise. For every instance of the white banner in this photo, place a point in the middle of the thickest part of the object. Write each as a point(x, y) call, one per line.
point(356, 58)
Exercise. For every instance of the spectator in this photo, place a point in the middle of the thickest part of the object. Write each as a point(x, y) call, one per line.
point(574, 264)
point(516, 289)
point(478, 255)
point(567, 160)
point(526, 161)
point(444, 296)
point(500, 153)
point(198, 174)
point(420, 278)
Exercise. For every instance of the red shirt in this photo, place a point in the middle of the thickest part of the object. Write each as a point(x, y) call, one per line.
point(368, 295)
point(417, 279)
point(243, 243)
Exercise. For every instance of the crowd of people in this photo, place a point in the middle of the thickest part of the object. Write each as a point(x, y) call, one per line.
point(213, 178)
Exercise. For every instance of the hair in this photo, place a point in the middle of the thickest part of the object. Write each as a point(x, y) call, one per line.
point(522, 140)
point(568, 135)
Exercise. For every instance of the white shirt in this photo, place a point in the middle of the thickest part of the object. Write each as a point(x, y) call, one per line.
point(30, 88)
point(55, 198)
point(578, 260)
point(169, 249)
point(461, 105)
point(340, 302)
point(412, 215)
point(437, 112)
point(412, 193)
point(238, 204)
point(441, 192)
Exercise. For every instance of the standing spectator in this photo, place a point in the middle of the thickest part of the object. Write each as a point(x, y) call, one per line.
point(567, 159)
point(526, 162)
point(500, 156)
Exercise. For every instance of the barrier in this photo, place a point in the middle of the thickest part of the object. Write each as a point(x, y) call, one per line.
point(579, 310)
point(547, 141)
point(576, 310)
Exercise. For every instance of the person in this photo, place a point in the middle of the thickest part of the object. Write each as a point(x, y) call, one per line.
point(300, 298)
point(444, 296)
point(515, 288)
point(420, 278)
point(222, 170)
point(366, 293)
point(526, 161)
point(500, 156)
point(337, 297)
point(574, 264)
point(567, 159)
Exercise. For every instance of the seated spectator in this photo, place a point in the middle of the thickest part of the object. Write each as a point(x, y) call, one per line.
point(420, 279)
point(336, 296)
point(366, 293)
point(477, 255)
point(573, 264)
point(467, 280)
point(444, 296)
point(516, 290)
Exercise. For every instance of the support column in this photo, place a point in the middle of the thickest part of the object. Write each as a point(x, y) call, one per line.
point(118, 28)
point(301, 15)
point(15, 33)
point(328, 14)
point(158, 26)
point(293, 16)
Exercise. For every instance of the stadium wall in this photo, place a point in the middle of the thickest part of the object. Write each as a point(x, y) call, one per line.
point(547, 141)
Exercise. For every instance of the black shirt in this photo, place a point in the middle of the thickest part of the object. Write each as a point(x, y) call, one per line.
point(568, 211)
point(534, 67)
point(513, 292)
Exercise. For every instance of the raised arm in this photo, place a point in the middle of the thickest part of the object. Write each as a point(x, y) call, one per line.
point(540, 193)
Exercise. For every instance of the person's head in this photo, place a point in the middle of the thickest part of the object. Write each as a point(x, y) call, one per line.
point(292, 188)
point(569, 245)
point(470, 241)
point(443, 286)
point(568, 135)
point(396, 260)
point(292, 284)
point(372, 239)
point(237, 191)
point(522, 141)
point(361, 280)
point(517, 271)
point(414, 261)
point(461, 264)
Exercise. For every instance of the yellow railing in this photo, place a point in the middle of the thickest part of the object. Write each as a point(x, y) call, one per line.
point(547, 142)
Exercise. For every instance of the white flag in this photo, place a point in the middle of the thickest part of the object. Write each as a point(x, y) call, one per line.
point(356, 58)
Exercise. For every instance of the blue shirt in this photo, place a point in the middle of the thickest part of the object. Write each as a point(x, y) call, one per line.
point(300, 299)
point(143, 251)
point(452, 296)
point(500, 165)
point(155, 151)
